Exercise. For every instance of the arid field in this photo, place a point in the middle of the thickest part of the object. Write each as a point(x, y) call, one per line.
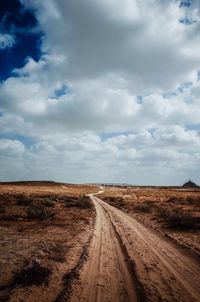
point(44, 229)
point(121, 244)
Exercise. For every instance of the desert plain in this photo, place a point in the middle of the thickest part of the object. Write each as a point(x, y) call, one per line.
point(65, 242)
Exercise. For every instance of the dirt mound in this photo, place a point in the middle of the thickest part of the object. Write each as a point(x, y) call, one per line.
point(190, 184)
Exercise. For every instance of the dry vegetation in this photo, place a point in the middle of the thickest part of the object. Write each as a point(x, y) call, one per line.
point(173, 212)
point(44, 229)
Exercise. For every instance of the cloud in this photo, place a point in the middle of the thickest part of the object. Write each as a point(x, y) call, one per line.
point(6, 41)
point(114, 97)
point(11, 147)
point(133, 40)
point(96, 106)
point(136, 158)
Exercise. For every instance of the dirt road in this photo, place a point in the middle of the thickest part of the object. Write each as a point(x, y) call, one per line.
point(128, 262)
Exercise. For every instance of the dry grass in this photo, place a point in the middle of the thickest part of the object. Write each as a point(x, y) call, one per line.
point(191, 200)
point(36, 246)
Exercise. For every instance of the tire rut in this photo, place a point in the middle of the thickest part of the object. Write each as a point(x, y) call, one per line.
point(128, 262)
point(108, 274)
point(166, 273)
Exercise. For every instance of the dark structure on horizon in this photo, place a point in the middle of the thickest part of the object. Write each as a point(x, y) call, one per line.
point(190, 184)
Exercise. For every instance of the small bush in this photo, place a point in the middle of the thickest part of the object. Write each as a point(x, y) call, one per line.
point(178, 219)
point(193, 201)
point(23, 200)
point(185, 201)
point(176, 200)
point(83, 202)
point(33, 274)
point(56, 252)
point(115, 201)
point(39, 212)
point(163, 212)
point(47, 202)
point(143, 207)
point(7, 198)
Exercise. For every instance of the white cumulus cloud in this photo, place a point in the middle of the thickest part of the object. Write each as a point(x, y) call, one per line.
point(129, 110)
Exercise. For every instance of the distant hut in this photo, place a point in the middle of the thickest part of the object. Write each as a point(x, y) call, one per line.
point(190, 184)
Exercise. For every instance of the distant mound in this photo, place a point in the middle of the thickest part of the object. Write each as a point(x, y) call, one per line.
point(190, 184)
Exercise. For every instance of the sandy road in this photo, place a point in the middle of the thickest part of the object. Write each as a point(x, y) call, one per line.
point(166, 272)
point(106, 276)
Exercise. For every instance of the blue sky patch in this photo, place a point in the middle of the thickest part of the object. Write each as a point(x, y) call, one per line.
point(185, 3)
point(106, 135)
point(26, 140)
point(63, 90)
point(139, 99)
point(23, 26)
point(193, 126)
point(184, 86)
point(187, 21)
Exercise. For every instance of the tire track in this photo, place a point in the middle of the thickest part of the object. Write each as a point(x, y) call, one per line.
point(108, 274)
point(128, 262)
point(166, 273)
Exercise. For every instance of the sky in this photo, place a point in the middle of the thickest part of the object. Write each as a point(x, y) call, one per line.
point(100, 91)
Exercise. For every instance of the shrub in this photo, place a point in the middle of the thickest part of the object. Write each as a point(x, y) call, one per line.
point(39, 212)
point(115, 201)
point(176, 200)
point(178, 219)
point(163, 212)
point(7, 198)
point(185, 201)
point(47, 202)
point(83, 202)
point(193, 201)
point(23, 200)
point(33, 274)
point(143, 207)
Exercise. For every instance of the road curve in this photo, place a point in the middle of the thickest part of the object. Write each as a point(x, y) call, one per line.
point(165, 272)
